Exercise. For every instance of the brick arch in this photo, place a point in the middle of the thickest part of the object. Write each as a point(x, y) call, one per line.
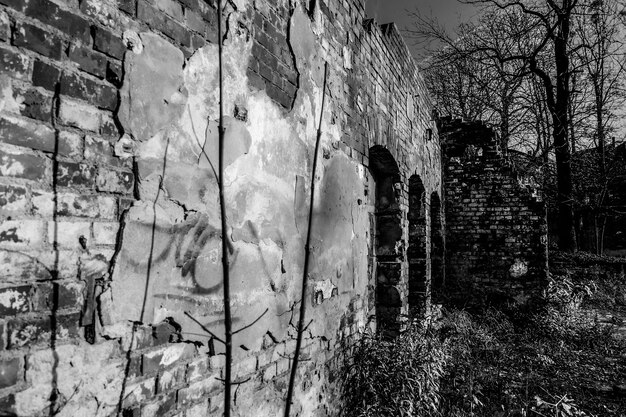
point(387, 248)
point(437, 245)
point(419, 276)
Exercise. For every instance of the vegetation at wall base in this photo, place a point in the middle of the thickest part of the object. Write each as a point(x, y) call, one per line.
point(557, 359)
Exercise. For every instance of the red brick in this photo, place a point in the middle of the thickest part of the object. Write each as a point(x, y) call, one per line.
point(13, 63)
point(114, 74)
point(45, 75)
point(170, 7)
point(139, 392)
point(15, 300)
point(38, 40)
point(7, 403)
point(82, 116)
point(35, 104)
point(63, 20)
point(75, 174)
point(5, 27)
point(70, 145)
point(100, 152)
point(170, 379)
point(18, 5)
point(115, 181)
point(92, 206)
point(195, 21)
point(98, 94)
point(13, 199)
point(159, 21)
point(23, 132)
point(16, 234)
point(129, 6)
point(11, 370)
point(68, 294)
point(25, 166)
point(108, 43)
point(109, 128)
point(23, 332)
point(88, 60)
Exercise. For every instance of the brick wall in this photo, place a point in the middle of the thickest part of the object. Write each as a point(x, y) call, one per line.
point(107, 198)
point(496, 232)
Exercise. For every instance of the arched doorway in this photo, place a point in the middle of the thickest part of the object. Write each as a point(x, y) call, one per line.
point(387, 250)
point(437, 246)
point(419, 277)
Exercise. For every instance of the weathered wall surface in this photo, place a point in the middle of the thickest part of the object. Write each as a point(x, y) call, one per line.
point(496, 231)
point(111, 288)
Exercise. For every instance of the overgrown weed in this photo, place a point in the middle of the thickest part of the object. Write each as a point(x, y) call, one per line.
point(554, 359)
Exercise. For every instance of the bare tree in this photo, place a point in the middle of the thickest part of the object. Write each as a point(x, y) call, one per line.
point(534, 38)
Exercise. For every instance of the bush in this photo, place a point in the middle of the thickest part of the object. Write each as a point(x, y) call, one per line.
point(393, 378)
point(552, 359)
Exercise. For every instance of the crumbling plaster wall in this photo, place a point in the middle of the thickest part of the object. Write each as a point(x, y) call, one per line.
point(111, 296)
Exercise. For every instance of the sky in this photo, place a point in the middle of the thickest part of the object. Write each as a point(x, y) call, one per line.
point(448, 12)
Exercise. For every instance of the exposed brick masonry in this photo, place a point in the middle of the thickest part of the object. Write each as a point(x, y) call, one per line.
point(496, 231)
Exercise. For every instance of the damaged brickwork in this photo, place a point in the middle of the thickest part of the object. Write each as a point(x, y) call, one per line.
point(111, 291)
point(496, 227)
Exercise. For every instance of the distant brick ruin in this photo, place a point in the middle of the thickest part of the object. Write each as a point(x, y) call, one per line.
point(496, 227)
point(111, 293)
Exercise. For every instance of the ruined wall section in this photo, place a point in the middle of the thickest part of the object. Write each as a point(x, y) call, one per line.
point(382, 101)
point(496, 231)
point(110, 299)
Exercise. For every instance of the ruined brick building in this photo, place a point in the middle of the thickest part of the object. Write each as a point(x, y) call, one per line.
point(111, 295)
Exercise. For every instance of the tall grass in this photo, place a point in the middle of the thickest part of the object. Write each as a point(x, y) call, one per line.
point(554, 359)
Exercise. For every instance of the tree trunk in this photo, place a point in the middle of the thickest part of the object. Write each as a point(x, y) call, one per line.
point(567, 234)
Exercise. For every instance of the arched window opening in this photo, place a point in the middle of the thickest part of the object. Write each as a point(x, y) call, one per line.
point(419, 278)
point(387, 248)
point(437, 246)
